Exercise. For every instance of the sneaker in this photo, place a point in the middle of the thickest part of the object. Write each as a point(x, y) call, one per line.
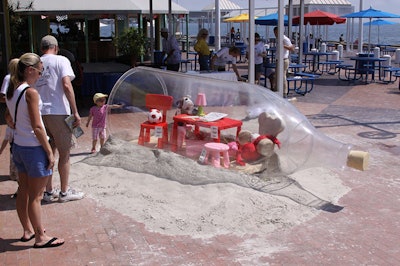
point(50, 196)
point(70, 195)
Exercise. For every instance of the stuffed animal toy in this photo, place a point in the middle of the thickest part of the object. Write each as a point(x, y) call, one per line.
point(186, 106)
point(246, 149)
point(253, 147)
point(270, 124)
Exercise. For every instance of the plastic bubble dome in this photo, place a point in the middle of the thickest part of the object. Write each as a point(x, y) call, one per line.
point(302, 146)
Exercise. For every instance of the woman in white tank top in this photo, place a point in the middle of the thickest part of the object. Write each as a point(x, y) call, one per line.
point(31, 150)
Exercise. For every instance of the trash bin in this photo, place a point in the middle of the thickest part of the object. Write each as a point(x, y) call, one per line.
point(397, 56)
point(377, 52)
point(385, 65)
point(340, 49)
point(335, 55)
point(323, 47)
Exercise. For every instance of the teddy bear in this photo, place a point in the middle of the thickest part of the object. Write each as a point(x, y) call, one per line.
point(260, 148)
point(186, 106)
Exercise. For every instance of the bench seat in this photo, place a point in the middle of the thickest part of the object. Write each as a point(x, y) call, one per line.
point(392, 73)
point(328, 66)
point(397, 75)
point(302, 83)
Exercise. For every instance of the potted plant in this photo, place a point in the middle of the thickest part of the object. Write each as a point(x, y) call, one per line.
point(132, 43)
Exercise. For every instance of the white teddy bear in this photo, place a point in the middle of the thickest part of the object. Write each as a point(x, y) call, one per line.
point(186, 106)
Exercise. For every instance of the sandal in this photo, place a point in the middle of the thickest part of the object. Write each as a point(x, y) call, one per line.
point(23, 239)
point(49, 244)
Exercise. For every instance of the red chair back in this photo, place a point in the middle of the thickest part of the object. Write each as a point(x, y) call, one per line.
point(160, 102)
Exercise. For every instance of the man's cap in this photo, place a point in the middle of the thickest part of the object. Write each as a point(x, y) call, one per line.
point(48, 40)
point(99, 96)
point(164, 30)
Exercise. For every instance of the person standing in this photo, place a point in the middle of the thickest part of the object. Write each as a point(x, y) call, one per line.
point(238, 34)
point(259, 55)
point(8, 139)
point(77, 82)
point(201, 47)
point(12, 65)
point(224, 56)
point(58, 97)
point(99, 114)
point(287, 48)
point(341, 39)
point(232, 35)
point(32, 153)
point(171, 49)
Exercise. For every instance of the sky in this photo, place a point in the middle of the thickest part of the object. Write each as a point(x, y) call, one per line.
point(391, 6)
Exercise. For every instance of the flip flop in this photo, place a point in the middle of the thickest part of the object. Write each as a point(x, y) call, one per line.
point(23, 239)
point(49, 244)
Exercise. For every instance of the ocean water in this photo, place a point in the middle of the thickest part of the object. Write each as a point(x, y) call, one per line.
point(388, 34)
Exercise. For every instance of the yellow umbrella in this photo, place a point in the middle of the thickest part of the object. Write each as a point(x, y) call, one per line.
point(239, 18)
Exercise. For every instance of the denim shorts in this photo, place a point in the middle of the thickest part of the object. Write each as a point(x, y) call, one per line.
point(31, 160)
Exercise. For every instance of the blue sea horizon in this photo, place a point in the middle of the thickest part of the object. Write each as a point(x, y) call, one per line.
point(388, 34)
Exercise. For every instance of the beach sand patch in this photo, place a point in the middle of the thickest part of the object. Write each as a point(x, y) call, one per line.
point(174, 195)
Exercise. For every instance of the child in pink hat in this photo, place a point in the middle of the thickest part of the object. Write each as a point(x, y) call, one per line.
point(99, 113)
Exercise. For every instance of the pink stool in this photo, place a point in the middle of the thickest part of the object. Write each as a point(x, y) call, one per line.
point(214, 150)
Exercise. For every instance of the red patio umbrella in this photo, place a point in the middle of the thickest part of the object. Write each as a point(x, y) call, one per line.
point(319, 17)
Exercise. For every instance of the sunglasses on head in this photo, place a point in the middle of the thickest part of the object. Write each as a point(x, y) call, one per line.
point(40, 71)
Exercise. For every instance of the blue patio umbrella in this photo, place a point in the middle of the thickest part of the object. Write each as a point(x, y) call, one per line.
point(371, 13)
point(270, 20)
point(379, 22)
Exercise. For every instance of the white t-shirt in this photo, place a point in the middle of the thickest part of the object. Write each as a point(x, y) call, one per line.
point(50, 84)
point(23, 134)
point(4, 86)
point(223, 57)
point(286, 41)
point(258, 49)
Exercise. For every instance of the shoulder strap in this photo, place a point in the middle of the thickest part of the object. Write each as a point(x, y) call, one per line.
point(16, 105)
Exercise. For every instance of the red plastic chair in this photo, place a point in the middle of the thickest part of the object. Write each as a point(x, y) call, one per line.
point(162, 103)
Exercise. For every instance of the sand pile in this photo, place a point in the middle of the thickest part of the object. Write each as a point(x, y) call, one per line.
point(175, 195)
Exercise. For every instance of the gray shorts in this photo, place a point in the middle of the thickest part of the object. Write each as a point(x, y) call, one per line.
point(259, 68)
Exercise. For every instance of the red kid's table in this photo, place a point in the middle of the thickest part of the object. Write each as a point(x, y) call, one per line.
point(221, 124)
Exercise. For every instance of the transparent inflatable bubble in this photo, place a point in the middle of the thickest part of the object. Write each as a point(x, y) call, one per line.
point(302, 146)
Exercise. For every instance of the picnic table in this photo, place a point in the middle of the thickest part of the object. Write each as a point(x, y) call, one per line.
point(366, 65)
point(313, 63)
point(301, 83)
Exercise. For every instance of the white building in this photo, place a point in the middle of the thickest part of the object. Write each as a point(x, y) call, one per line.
point(337, 7)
